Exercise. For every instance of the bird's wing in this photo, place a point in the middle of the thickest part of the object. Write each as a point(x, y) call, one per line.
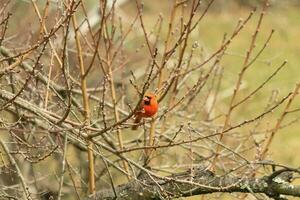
point(140, 109)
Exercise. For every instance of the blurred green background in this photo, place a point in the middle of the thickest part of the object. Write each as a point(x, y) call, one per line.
point(284, 18)
point(222, 18)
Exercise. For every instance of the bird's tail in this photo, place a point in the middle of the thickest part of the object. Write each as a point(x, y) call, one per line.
point(137, 120)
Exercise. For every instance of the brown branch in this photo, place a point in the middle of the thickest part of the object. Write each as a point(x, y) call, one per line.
point(26, 189)
point(86, 105)
point(204, 182)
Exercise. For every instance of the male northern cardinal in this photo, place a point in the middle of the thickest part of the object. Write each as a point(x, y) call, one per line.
point(148, 108)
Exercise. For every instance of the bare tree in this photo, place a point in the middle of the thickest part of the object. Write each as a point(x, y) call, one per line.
point(70, 89)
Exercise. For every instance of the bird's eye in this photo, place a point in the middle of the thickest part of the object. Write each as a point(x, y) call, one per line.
point(148, 97)
point(147, 102)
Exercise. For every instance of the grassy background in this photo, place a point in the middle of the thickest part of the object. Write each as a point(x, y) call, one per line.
point(284, 45)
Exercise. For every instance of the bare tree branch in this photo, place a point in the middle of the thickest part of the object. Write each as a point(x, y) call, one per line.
point(204, 182)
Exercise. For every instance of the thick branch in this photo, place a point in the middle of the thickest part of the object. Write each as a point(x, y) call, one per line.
point(204, 182)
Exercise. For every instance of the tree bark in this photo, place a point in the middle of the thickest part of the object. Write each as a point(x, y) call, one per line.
point(203, 182)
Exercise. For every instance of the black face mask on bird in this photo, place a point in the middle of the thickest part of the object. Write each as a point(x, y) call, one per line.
point(147, 100)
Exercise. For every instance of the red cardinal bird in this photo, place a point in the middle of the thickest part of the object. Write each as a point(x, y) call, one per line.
point(148, 108)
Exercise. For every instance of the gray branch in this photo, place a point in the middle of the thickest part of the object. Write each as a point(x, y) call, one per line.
point(203, 182)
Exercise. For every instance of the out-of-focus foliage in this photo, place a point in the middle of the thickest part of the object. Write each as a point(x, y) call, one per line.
point(51, 109)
